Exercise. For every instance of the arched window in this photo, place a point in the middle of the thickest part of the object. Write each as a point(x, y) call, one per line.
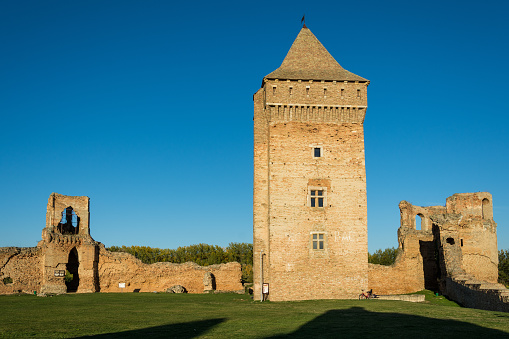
point(69, 224)
point(419, 221)
point(487, 209)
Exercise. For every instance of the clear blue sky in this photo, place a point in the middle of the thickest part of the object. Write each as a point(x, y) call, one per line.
point(146, 107)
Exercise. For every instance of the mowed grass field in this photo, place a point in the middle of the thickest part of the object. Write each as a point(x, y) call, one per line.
point(160, 315)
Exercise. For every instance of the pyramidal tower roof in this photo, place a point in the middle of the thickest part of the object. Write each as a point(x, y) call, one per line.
point(307, 59)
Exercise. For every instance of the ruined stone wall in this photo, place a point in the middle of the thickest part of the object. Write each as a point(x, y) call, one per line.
point(477, 294)
point(119, 267)
point(416, 267)
point(474, 232)
point(23, 266)
point(57, 203)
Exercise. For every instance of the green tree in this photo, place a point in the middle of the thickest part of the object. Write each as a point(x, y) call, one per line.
point(503, 267)
point(386, 257)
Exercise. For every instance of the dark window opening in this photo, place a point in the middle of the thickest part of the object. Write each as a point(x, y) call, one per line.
point(450, 241)
point(317, 152)
point(69, 224)
point(461, 241)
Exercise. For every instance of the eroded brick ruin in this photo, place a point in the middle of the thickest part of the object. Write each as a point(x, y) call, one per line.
point(66, 245)
point(454, 251)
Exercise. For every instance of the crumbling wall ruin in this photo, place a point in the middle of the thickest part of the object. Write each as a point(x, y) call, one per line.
point(454, 252)
point(20, 270)
point(123, 268)
point(66, 245)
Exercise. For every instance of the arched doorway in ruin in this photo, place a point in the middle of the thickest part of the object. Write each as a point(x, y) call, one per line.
point(72, 280)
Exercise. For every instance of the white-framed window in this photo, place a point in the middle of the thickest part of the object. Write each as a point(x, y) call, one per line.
point(317, 152)
point(318, 241)
point(317, 197)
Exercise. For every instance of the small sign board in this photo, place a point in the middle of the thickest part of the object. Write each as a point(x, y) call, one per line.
point(59, 273)
point(121, 285)
point(265, 288)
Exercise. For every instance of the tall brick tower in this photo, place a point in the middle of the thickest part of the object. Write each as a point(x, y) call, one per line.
point(309, 205)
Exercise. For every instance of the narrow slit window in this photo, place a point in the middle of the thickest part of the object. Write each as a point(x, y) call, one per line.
point(290, 90)
point(325, 92)
point(307, 90)
point(358, 93)
point(342, 92)
point(274, 90)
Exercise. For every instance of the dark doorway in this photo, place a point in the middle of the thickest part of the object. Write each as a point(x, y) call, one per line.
point(429, 264)
point(72, 279)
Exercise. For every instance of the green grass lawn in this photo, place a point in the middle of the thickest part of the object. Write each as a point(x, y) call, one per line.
point(151, 315)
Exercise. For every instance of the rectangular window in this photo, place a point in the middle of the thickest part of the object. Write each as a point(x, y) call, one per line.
point(318, 241)
point(325, 92)
point(317, 152)
point(290, 90)
point(342, 93)
point(307, 90)
point(358, 93)
point(274, 90)
point(316, 198)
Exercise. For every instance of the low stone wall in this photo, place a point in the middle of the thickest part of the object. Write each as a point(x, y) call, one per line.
point(415, 298)
point(477, 294)
point(23, 266)
point(119, 267)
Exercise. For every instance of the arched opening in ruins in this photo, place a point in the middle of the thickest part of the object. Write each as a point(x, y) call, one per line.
point(487, 211)
point(418, 221)
point(69, 224)
point(450, 241)
point(72, 279)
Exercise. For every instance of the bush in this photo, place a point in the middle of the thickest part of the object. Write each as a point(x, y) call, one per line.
point(68, 276)
point(386, 257)
point(7, 280)
point(503, 267)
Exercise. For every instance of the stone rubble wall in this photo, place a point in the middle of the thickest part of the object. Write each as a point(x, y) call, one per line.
point(473, 293)
point(120, 267)
point(23, 266)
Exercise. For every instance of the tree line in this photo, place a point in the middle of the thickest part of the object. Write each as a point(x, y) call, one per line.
point(202, 254)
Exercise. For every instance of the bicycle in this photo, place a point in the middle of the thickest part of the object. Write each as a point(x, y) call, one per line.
point(367, 295)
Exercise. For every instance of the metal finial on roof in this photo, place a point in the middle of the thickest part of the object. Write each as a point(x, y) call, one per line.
point(303, 20)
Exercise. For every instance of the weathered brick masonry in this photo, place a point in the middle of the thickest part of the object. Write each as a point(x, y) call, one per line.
point(67, 245)
point(310, 219)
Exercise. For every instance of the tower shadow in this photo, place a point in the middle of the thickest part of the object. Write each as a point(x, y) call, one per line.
point(356, 322)
point(181, 330)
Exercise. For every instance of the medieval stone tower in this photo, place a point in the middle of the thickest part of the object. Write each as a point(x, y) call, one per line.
point(309, 205)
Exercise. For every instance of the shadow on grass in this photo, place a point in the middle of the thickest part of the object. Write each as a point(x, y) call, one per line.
point(181, 330)
point(356, 322)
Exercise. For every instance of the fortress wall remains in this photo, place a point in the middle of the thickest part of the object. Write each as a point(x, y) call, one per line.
point(23, 266)
point(119, 267)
